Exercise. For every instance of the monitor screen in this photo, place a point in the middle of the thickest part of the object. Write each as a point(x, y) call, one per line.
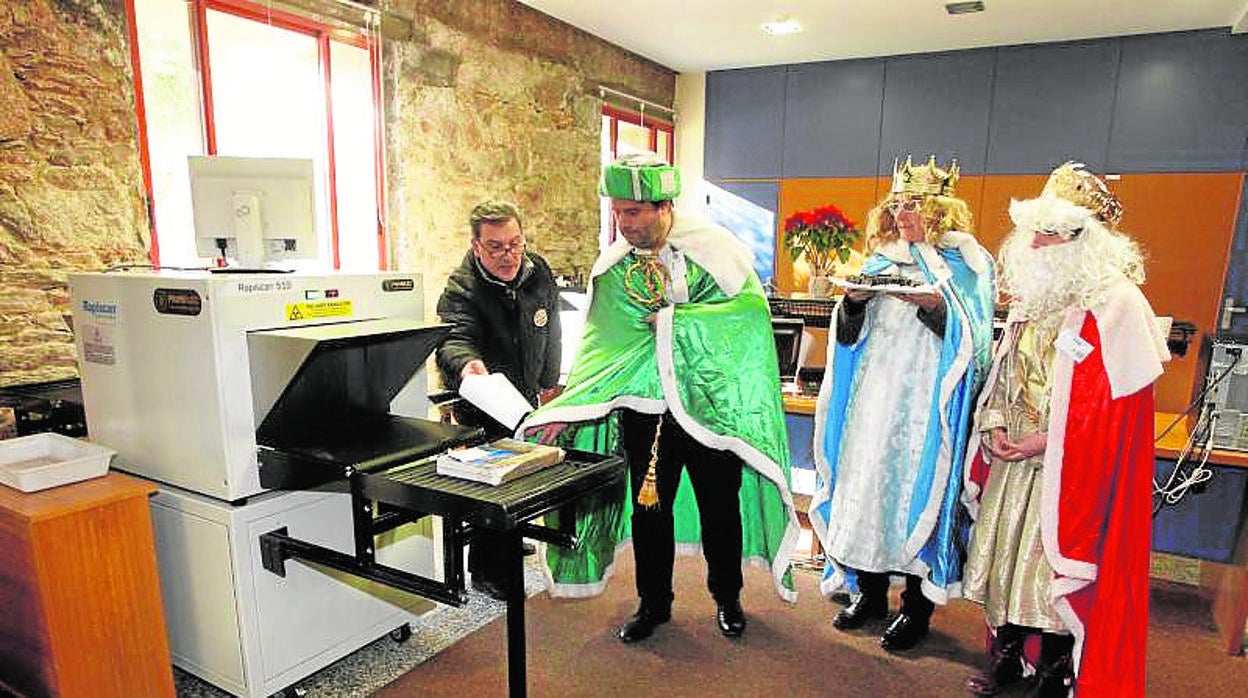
point(788, 335)
point(253, 211)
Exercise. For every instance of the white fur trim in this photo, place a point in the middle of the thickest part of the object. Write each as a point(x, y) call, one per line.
point(760, 462)
point(714, 248)
point(975, 256)
point(1131, 342)
point(1054, 454)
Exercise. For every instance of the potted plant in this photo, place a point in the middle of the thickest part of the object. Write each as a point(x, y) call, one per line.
point(823, 236)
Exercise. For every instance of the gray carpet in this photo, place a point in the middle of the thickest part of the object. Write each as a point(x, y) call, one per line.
point(384, 660)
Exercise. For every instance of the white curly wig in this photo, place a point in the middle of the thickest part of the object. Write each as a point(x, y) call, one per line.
point(1046, 280)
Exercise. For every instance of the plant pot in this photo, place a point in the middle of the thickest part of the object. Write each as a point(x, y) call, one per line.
point(820, 286)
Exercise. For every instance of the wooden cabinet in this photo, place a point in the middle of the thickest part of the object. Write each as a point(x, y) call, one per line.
point(80, 604)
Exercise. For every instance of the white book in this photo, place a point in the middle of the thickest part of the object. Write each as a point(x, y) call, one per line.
point(498, 461)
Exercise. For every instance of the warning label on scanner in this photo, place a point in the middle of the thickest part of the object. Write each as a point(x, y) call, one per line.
point(318, 310)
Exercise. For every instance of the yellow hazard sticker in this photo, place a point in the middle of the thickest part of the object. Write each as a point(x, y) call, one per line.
point(318, 310)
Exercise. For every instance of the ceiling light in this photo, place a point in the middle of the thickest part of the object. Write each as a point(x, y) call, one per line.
point(964, 8)
point(782, 26)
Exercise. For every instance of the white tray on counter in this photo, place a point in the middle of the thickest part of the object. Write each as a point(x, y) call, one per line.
point(39, 461)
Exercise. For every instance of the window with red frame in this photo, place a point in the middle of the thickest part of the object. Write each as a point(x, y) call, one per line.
point(626, 132)
point(234, 77)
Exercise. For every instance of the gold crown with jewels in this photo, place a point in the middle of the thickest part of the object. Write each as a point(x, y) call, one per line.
point(1073, 182)
point(928, 179)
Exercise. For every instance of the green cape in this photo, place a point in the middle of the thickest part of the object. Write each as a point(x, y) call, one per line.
point(711, 361)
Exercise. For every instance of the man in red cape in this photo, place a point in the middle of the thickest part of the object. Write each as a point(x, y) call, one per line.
point(1062, 454)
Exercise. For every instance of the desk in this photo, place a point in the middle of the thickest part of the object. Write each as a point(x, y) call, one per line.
point(1230, 606)
point(417, 490)
point(82, 613)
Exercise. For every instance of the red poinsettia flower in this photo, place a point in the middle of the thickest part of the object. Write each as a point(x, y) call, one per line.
point(822, 234)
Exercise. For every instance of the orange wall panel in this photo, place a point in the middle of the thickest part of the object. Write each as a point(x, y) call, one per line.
point(855, 196)
point(1185, 222)
point(992, 215)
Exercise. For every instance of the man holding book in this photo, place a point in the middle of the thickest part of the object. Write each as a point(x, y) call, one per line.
point(677, 369)
point(503, 306)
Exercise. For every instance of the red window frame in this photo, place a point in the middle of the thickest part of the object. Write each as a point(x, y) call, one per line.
point(654, 126)
point(323, 33)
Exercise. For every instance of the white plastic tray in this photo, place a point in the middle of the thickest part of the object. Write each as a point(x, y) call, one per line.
point(39, 461)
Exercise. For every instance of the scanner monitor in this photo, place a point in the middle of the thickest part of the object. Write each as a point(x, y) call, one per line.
point(254, 211)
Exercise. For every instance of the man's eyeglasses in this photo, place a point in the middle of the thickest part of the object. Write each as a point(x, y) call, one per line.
point(907, 205)
point(498, 249)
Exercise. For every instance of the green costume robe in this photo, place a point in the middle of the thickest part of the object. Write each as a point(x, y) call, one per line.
point(710, 360)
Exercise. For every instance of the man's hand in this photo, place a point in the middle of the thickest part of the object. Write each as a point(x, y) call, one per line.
point(927, 301)
point(547, 433)
point(999, 446)
point(858, 295)
point(476, 367)
point(548, 394)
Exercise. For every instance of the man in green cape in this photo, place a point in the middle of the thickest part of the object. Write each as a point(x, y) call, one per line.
point(676, 369)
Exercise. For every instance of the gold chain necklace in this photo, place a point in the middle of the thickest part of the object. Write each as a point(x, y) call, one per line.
point(645, 280)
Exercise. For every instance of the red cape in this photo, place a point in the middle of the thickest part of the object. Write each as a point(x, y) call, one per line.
point(1097, 493)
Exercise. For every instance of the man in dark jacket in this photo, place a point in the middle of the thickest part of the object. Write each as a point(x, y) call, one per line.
point(503, 306)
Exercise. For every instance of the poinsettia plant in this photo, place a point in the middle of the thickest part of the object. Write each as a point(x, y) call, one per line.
point(823, 235)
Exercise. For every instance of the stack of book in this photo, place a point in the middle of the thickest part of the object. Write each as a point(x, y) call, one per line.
point(498, 461)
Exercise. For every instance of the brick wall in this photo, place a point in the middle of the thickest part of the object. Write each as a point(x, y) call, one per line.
point(493, 99)
point(70, 180)
point(483, 98)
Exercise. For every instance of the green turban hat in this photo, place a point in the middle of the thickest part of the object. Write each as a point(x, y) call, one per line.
point(641, 177)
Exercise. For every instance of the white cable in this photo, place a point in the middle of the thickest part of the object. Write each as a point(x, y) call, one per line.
point(1174, 492)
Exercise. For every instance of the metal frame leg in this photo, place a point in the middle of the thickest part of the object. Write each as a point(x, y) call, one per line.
point(517, 675)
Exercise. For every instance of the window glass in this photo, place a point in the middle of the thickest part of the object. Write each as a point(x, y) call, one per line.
point(174, 129)
point(270, 87)
point(632, 139)
point(268, 100)
point(355, 157)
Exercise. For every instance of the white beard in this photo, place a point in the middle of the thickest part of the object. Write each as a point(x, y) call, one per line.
point(1048, 280)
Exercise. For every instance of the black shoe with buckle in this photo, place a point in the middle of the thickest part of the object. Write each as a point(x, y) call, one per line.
point(859, 611)
point(730, 619)
point(642, 624)
point(904, 632)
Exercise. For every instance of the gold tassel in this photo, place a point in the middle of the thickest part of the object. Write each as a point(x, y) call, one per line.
point(648, 497)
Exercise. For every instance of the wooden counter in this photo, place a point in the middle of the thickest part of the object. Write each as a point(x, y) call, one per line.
point(80, 604)
point(1172, 443)
point(1230, 581)
point(799, 404)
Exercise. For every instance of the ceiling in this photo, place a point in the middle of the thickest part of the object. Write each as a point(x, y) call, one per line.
point(700, 35)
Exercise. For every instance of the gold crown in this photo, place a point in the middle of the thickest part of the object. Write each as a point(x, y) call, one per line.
point(1074, 183)
point(928, 179)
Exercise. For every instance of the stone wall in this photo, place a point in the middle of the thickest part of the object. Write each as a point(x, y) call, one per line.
point(71, 195)
point(484, 98)
point(490, 98)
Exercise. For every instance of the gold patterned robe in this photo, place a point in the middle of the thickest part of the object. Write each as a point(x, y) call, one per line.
point(1007, 570)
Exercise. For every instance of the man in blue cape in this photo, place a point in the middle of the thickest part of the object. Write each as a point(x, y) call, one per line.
point(909, 346)
point(677, 369)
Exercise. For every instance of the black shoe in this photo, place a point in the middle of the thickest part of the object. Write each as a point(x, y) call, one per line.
point(904, 633)
point(490, 588)
point(859, 611)
point(642, 625)
point(730, 618)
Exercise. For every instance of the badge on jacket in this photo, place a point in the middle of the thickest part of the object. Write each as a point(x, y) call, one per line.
point(540, 318)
